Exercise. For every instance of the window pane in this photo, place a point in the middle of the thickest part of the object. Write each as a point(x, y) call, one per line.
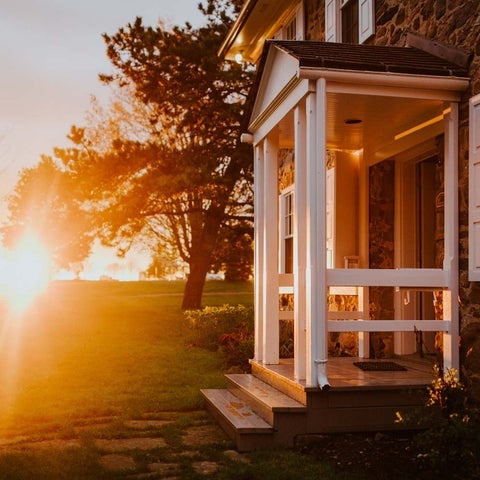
point(289, 255)
point(350, 22)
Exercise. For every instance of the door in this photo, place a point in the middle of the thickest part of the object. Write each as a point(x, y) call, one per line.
point(418, 243)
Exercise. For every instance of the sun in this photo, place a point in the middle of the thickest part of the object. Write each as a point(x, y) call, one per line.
point(24, 272)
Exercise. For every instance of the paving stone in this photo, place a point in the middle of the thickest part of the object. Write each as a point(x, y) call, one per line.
point(57, 444)
point(205, 468)
point(125, 444)
point(163, 468)
point(200, 435)
point(146, 424)
point(118, 463)
point(235, 456)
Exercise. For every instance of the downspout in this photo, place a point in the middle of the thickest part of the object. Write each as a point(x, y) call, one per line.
point(322, 377)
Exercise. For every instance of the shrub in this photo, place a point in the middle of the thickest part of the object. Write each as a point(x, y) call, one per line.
point(227, 327)
point(449, 448)
point(286, 339)
point(238, 347)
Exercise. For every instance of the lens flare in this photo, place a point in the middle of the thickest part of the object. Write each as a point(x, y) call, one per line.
point(24, 272)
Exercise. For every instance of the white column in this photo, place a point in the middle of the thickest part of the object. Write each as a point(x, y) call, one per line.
point(300, 243)
point(270, 334)
point(316, 310)
point(450, 262)
point(259, 229)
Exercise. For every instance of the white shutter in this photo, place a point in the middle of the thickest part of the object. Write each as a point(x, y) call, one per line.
point(474, 191)
point(366, 20)
point(332, 13)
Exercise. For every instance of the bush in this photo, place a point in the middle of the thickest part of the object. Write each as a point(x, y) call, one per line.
point(286, 339)
point(449, 448)
point(238, 347)
point(229, 327)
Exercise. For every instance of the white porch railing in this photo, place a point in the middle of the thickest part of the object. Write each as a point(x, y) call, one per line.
point(403, 279)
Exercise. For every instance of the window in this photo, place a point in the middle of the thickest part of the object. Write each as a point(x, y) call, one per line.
point(349, 21)
point(474, 191)
point(287, 213)
point(292, 28)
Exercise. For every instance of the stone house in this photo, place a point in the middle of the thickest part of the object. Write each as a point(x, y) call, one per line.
point(365, 125)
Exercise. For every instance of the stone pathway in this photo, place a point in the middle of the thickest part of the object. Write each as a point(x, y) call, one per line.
point(146, 448)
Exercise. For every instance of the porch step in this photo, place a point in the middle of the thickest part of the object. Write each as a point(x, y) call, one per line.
point(265, 400)
point(255, 414)
point(248, 430)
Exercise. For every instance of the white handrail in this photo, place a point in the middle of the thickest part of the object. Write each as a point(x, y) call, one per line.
point(434, 278)
point(388, 325)
point(412, 278)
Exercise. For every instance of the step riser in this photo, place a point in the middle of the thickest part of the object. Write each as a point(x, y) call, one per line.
point(286, 424)
point(260, 409)
point(286, 386)
point(244, 442)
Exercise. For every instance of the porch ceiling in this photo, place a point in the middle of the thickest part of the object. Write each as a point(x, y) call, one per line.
point(372, 123)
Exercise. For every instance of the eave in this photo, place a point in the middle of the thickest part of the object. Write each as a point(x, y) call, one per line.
point(258, 21)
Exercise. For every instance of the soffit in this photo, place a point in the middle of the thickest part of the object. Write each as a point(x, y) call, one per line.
point(381, 120)
point(258, 21)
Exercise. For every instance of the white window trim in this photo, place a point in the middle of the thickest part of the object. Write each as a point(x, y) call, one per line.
point(282, 224)
point(474, 191)
point(299, 27)
point(366, 19)
point(333, 23)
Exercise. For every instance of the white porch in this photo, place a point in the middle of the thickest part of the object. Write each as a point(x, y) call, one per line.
point(356, 226)
point(364, 118)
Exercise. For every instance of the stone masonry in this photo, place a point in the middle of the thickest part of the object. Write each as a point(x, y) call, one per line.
point(455, 23)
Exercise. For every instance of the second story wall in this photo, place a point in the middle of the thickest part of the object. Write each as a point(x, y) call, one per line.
point(455, 23)
point(452, 22)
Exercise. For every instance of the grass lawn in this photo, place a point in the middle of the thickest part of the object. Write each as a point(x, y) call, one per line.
point(105, 348)
point(87, 351)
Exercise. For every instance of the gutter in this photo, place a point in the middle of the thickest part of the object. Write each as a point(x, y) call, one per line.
point(423, 82)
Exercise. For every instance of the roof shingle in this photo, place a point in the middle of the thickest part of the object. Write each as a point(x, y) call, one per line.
point(372, 58)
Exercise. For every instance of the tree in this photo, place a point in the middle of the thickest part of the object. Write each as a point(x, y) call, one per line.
point(195, 165)
point(164, 164)
point(234, 252)
point(44, 202)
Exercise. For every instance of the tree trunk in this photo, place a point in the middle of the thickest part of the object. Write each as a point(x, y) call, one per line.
point(201, 259)
point(192, 295)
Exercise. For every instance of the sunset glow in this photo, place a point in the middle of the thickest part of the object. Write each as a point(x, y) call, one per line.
point(24, 272)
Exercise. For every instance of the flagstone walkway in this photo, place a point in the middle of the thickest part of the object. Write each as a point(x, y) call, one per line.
point(154, 447)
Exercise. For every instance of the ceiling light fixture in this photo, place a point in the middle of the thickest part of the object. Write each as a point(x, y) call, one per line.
point(352, 121)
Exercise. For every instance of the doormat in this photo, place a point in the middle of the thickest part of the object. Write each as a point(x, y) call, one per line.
point(379, 366)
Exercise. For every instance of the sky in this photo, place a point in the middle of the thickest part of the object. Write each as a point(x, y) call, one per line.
point(51, 52)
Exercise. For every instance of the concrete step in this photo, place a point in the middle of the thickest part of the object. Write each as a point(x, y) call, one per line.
point(248, 430)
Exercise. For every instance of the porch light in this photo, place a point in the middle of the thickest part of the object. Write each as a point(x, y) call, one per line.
point(239, 57)
point(246, 138)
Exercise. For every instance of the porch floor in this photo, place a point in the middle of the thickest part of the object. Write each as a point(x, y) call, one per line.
point(344, 375)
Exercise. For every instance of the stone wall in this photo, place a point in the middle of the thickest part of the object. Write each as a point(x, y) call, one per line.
point(455, 23)
point(381, 250)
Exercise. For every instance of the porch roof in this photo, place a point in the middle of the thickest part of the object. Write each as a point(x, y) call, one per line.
point(369, 58)
point(406, 71)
